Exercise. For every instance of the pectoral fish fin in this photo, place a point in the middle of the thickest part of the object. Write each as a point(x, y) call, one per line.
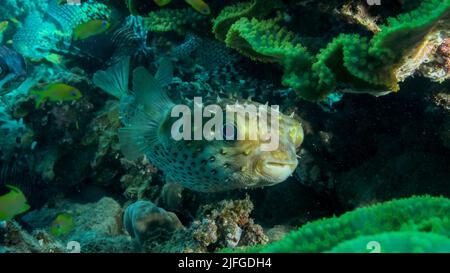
point(139, 137)
point(114, 80)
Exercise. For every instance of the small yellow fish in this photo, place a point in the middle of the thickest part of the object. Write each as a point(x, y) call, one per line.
point(54, 58)
point(56, 92)
point(13, 203)
point(62, 225)
point(90, 29)
point(3, 26)
point(199, 6)
point(162, 3)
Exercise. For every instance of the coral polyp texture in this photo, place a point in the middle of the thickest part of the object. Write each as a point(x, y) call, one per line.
point(230, 14)
point(156, 126)
point(350, 62)
point(416, 224)
point(177, 20)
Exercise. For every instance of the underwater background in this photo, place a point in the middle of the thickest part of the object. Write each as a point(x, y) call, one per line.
point(87, 163)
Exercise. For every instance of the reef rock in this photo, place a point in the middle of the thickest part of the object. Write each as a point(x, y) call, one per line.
point(223, 224)
point(14, 239)
point(97, 225)
point(145, 221)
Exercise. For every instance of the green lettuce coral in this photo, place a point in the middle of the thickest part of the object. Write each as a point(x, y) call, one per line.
point(412, 224)
point(396, 242)
point(177, 20)
point(230, 14)
point(267, 42)
point(350, 62)
point(344, 64)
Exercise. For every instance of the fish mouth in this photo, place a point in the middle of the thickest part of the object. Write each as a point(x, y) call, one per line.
point(278, 171)
point(278, 164)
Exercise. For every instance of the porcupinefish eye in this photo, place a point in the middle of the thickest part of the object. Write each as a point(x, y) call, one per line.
point(229, 131)
point(40, 50)
point(73, 94)
point(296, 135)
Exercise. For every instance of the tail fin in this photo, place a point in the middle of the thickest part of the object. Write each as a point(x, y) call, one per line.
point(114, 80)
point(40, 98)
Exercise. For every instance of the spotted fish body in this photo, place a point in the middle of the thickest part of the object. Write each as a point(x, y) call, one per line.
point(202, 165)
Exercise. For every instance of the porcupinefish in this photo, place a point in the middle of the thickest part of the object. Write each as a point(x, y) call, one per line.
point(204, 165)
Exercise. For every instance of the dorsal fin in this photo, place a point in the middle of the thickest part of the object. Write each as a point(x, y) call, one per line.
point(143, 132)
point(149, 91)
